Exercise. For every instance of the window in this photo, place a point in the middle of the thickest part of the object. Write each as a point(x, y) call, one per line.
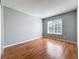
point(54, 27)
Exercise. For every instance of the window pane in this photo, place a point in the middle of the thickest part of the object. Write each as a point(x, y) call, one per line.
point(54, 27)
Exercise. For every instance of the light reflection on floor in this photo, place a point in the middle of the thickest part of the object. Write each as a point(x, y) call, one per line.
point(55, 51)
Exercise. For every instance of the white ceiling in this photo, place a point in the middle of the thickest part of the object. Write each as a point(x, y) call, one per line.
point(42, 8)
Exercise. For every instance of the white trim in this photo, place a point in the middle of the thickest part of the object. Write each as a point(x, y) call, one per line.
point(22, 42)
point(67, 41)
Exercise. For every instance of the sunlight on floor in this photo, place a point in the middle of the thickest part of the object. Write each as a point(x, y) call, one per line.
point(55, 51)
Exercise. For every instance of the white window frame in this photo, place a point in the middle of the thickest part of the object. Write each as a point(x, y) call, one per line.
point(53, 25)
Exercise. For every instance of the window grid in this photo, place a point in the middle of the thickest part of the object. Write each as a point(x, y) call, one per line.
point(55, 27)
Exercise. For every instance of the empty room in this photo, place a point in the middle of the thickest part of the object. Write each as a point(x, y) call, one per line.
point(39, 29)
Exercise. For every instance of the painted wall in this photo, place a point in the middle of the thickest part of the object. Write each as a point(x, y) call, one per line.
point(69, 26)
point(19, 26)
point(0, 32)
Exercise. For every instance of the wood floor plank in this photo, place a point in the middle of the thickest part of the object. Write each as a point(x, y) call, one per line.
point(44, 48)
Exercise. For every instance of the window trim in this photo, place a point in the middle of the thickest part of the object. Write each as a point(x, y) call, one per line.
point(53, 25)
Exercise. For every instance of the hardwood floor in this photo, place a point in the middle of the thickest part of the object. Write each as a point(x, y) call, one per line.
point(43, 48)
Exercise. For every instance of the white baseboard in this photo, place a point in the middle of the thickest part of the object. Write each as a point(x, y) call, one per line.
point(22, 42)
point(67, 41)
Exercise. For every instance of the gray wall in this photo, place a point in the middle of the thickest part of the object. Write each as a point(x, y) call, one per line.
point(0, 33)
point(19, 26)
point(69, 26)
